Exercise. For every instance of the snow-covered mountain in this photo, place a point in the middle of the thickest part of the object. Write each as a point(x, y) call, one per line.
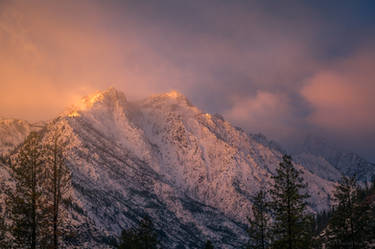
point(326, 160)
point(13, 132)
point(192, 172)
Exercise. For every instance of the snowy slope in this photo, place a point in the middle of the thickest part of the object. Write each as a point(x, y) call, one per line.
point(316, 149)
point(192, 172)
point(13, 132)
point(318, 165)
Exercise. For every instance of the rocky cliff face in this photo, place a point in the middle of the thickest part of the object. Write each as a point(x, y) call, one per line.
point(191, 172)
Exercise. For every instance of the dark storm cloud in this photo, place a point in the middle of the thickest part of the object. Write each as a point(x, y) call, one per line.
point(277, 67)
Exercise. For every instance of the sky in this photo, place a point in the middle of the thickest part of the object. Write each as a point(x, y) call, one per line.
point(287, 69)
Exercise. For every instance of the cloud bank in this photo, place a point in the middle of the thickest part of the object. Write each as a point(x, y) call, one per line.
point(286, 70)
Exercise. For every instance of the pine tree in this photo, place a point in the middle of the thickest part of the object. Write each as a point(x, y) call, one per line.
point(3, 228)
point(370, 229)
point(259, 230)
point(292, 225)
point(57, 186)
point(143, 236)
point(208, 245)
point(26, 203)
point(347, 227)
point(5, 240)
point(322, 220)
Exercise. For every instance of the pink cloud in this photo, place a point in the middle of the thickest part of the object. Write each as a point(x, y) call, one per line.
point(271, 113)
point(342, 97)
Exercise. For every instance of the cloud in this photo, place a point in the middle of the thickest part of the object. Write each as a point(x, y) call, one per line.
point(52, 53)
point(342, 97)
point(335, 102)
point(272, 68)
point(271, 113)
point(342, 102)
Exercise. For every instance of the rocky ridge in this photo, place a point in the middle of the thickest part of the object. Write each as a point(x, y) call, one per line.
point(191, 172)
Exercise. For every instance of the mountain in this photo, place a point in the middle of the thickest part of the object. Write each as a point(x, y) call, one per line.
point(326, 160)
point(191, 172)
point(13, 132)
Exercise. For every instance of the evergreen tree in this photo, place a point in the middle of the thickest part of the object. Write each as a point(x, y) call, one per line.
point(347, 227)
point(26, 202)
point(57, 186)
point(259, 230)
point(370, 202)
point(367, 214)
point(292, 225)
point(4, 241)
point(208, 245)
point(143, 236)
point(321, 221)
point(3, 228)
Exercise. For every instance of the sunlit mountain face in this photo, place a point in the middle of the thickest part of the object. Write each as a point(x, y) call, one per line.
point(287, 70)
point(181, 111)
point(191, 171)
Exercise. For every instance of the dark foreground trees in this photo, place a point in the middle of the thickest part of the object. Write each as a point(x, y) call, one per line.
point(208, 245)
point(282, 221)
point(144, 236)
point(352, 223)
point(292, 227)
point(26, 203)
point(3, 239)
point(349, 224)
point(57, 185)
point(41, 183)
point(259, 231)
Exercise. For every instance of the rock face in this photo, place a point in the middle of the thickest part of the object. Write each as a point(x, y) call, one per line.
point(191, 172)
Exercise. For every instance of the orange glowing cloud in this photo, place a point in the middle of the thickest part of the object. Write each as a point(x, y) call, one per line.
point(53, 54)
point(266, 69)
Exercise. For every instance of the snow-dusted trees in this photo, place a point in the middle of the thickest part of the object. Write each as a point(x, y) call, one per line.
point(291, 228)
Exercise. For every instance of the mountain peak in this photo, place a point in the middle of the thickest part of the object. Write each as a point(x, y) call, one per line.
point(108, 97)
point(110, 94)
point(174, 94)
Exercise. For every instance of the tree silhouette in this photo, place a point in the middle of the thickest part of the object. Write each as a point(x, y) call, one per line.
point(347, 227)
point(292, 225)
point(208, 245)
point(26, 202)
point(143, 236)
point(259, 230)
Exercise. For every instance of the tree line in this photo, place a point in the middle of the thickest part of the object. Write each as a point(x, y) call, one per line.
point(34, 217)
point(280, 218)
point(350, 224)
